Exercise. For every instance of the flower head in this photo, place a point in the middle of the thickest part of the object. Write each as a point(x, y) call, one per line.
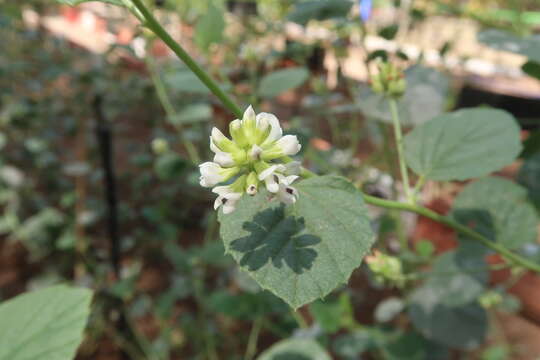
point(252, 156)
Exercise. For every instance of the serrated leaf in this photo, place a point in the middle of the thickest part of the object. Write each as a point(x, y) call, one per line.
point(505, 41)
point(303, 251)
point(498, 209)
point(280, 81)
point(427, 89)
point(529, 176)
point(210, 27)
point(77, 2)
point(319, 10)
point(463, 144)
point(463, 327)
point(45, 324)
point(295, 349)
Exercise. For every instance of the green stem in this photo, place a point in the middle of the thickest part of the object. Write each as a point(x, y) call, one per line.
point(165, 101)
point(153, 24)
point(299, 319)
point(509, 255)
point(399, 144)
point(251, 348)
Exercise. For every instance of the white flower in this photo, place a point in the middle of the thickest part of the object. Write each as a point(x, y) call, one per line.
point(227, 198)
point(212, 174)
point(255, 152)
point(270, 177)
point(224, 159)
point(286, 193)
point(253, 156)
point(289, 145)
point(286, 146)
point(275, 129)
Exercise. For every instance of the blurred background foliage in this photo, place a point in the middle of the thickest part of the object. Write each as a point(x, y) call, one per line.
point(176, 294)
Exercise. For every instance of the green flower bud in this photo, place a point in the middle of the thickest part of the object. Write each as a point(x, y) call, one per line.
point(389, 81)
point(252, 183)
point(160, 146)
point(237, 133)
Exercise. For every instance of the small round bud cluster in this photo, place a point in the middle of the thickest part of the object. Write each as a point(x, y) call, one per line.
point(386, 268)
point(390, 81)
point(251, 158)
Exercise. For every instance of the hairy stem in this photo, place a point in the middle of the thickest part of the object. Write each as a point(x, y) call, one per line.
point(399, 144)
point(507, 254)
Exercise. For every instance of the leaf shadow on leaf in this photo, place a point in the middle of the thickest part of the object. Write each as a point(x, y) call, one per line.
point(277, 238)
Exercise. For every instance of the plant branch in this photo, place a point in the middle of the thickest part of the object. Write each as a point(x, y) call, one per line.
point(509, 255)
point(399, 144)
point(153, 24)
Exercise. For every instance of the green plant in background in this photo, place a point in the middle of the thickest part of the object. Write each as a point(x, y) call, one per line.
point(302, 242)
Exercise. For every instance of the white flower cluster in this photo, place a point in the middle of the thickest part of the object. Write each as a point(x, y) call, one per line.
point(252, 156)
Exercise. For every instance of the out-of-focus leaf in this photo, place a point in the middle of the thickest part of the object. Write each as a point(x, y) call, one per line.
point(388, 309)
point(532, 68)
point(350, 346)
point(498, 209)
point(458, 277)
point(280, 81)
point(192, 114)
point(44, 324)
point(77, 2)
point(529, 176)
point(463, 327)
point(389, 32)
point(170, 165)
point(295, 349)
point(506, 41)
point(463, 144)
point(427, 89)
point(319, 10)
point(186, 82)
point(210, 27)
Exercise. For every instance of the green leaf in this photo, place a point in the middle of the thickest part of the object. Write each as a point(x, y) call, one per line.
point(505, 41)
point(280, 81)
point(186, 82)
point(45, 324)
point(529, 176)
point(532, 69)
point(388, 309)
point(332, 315)
point(427, 89)
point(303, 251)
point(498, 209)
point(458, 277)
point(77, 2)
point(463, 144)
point(193, 113)
point(463, 327)
point(351, 346)
point(295, 349)
point(319, 10)
point(210, 27)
